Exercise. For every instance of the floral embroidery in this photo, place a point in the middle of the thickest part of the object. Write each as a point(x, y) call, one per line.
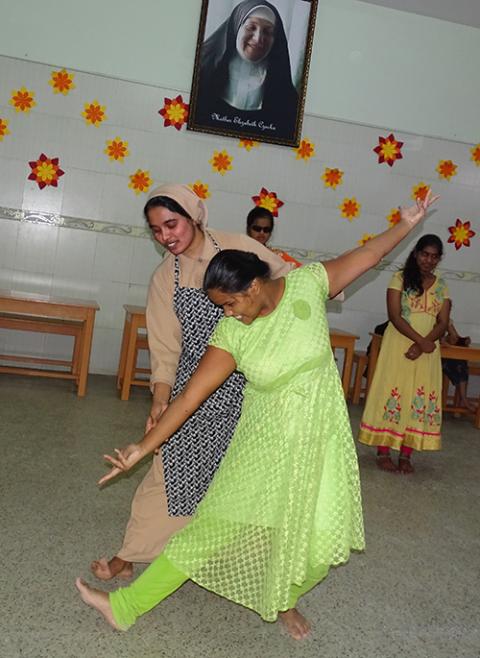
point(393, 408)
point(418, 405)
point(433, 410)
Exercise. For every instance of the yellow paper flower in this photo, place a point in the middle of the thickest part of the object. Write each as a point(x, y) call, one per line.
point(332, 177)
point(475, 151)
point(446, 169)
point(460, 234)
point(221, 162)
point(200, 189)
point(140, 181)
point(420, 191)
point(174, 112)
point(94, 113)
point(248, 144)
point(394, 216)
point(45, 171)
point(62, 82)
point(22, 100)
point(117, 149)
point(350, 208)
point(3, 128)
point(306, 150)
point(365, 238)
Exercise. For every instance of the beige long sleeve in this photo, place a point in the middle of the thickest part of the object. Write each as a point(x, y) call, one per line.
point(164, 331)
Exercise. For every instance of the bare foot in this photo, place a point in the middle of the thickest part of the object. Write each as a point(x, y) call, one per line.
point(98, 600)
point(385, 463)
point(295, 624)
point(105, 570)
point(405, 466)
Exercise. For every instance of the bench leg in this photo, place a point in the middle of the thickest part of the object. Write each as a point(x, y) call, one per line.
point(87, 334)
point(127, 328)
point(129, 367)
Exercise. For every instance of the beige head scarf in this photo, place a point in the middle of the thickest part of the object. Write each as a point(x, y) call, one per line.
point(186, 198)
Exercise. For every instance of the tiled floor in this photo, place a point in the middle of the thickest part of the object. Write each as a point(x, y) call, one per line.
point(415, 592)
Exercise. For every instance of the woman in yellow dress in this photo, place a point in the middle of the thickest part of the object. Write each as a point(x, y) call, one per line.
point(403, 409)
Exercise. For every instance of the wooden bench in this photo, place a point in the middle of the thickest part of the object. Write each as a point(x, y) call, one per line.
point(50, 315)
point(134, 339)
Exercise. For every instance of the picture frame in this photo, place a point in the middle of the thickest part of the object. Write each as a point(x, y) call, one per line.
point(251, 69)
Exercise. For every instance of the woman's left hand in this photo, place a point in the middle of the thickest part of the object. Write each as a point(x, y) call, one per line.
point(123, 462)
point(416, 213)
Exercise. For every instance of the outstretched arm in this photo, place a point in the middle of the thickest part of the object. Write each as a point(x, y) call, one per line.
point(214, 368)
point(349, 266)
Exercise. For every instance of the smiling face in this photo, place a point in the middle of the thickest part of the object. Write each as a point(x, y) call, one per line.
point(173, 231)
point(427, 259)
point(255, 38)
point(243, 306)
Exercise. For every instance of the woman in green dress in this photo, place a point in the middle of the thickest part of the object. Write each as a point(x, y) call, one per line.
point(285, 503)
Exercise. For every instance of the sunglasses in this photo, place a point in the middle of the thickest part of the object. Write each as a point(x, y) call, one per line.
point(262, 229)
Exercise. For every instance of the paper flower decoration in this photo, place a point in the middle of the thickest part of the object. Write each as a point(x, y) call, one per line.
point(446, 169)
point(174, 112)
point(365, 238)
point(268, 200)
point(200, 189)
point(388, 150)
point(460, 234)
point(140, 181)
point(22, 100)
point(94, 113)
point(117, 149)
point(332, 177)
point(45, 171)
point(305, 151)
point(475, 151)
point(350, 208)
point(394, 216)
point(248, 144)
point(61, 82)
point(3, 128)
point(221, 162)
point(420, 191)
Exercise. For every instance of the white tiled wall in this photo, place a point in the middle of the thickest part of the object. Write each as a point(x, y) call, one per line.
point(115, 270)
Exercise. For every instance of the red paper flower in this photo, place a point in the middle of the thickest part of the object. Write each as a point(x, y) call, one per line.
point(200, 189)
point(94, 113)
point(350, 208)
point(420, 191)
point(140, 181)
point(388, 150)
point(475, 151)
point(22, 100)
point(332, 177)
point(117, 149)
point(460, 234)
point(221, 162)
point(365, 238)
point(446, 169)
point(268, 200)
point(62, 82)
point(174, 112)
point(248, 144)
point(45, 171)
point(306, 150)
point(3, 128)
point(394, 216)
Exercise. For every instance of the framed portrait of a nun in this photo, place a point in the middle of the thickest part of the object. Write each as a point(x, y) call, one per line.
point(251, 69)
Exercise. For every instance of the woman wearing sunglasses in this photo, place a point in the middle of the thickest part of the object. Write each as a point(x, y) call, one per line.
point(260, 227)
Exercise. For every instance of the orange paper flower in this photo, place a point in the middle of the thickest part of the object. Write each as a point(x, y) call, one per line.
point(221, 162)
point(248, 144)
point(306, 150)
point(3, 128)
point(460, 234)
point(200, 189)
point(174, 112)
point(388, 150)
point(45, 171)
point(350, 208)
point(446, 169)
point(94, 113)
point(420, 191)
point(62, 82)
point(22, 100)
point(475, 151)
point(394, 216)
point(117, 149)
point(365, 238)
point(268, 200)
point(332, 177)
point(140, 181)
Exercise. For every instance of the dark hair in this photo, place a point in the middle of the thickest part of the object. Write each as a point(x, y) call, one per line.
point(412, 277)
point(259, 213)
point(165, 202)
point(233, 271)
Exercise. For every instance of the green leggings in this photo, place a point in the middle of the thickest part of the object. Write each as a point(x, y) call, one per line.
point(162, 578)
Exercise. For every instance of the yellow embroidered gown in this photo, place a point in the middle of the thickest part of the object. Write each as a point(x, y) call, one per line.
point(404, 404)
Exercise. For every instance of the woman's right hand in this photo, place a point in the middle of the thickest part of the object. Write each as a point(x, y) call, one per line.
point(123, 462)
point(426, 345)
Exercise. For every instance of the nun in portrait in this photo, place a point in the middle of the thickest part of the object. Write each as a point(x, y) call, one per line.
point(245, 80)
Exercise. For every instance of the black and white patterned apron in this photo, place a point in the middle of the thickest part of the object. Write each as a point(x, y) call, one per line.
point(192, 455)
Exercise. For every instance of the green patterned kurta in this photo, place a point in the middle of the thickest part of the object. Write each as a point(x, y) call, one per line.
point(285, 502)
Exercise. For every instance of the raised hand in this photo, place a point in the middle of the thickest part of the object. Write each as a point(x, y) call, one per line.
point(124, 460)
point(414, 214)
